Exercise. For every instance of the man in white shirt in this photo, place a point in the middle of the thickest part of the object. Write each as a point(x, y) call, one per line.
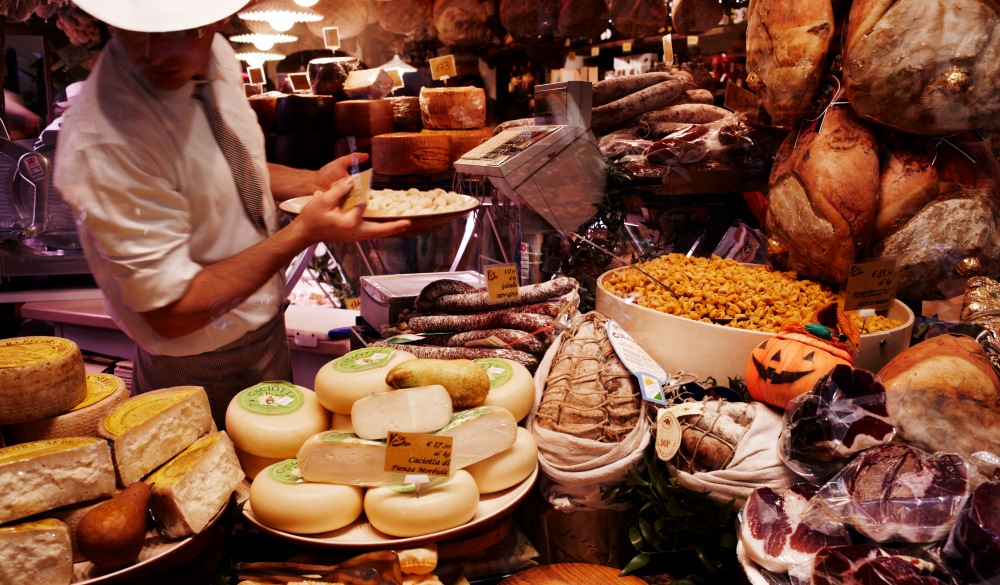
point(185, 270)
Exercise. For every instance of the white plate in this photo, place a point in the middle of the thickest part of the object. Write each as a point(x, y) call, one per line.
point(294, 207)
point(361, 534)
point(157, 548)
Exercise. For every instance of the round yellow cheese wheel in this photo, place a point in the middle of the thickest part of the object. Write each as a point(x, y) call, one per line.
point(442, 504)
point(355, 374)
point(273, 419)
point(511, 386)
point(281, 499)
point(104, 392)
point(40, 377)
point(507, 468)
point(252, 465)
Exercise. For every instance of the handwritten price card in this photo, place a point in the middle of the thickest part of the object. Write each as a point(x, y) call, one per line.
point(871, 285)
point(418, 454)
point(331, 37)
point(443, 67)
point(502, 283)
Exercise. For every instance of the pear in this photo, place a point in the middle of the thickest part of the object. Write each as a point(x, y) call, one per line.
point(466, 381)
point(112, 534)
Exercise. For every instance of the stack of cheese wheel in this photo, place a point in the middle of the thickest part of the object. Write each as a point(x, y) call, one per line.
point(340, 473)
point(457, 113)
point(366, 112)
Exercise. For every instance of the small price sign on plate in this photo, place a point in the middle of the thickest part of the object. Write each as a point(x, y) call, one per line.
point(418, 454)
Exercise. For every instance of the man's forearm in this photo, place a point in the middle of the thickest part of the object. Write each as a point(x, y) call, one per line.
point(288, 183)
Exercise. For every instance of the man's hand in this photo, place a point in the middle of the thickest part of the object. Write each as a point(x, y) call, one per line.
point(339, 168)
point(323, 218)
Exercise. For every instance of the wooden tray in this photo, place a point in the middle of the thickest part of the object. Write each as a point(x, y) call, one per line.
point(571, 574)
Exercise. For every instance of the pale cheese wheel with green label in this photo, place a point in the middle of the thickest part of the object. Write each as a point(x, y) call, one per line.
point(479, 433)
point(511, 386)
point(281, 499)
point(420, 409)
point(36, 552)
point(342, 423)
point(507, 468)
point(253, 464)
point(40, 377)
point(39, 476)
point(104, 392)
point(441, 504)
point(193, 487)
point(148, 429)
point(345, 458)
point(340, 382)
point(273, 419)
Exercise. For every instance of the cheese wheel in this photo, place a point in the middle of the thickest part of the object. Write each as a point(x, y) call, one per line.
point(193, 487)
point(462, 141)
point(363, 117)
point(355, 374)
point(104, 392)
point(453, 107)
point(281, 499)
point(367, 84)
point(410, 153)
point(36, 552)
point(147, 430)
point(507, 468)
point(406, 113)
point(342, 422)
point(479, 433)
point(273, 419)
point(345, 458)
point(40, 377)
point(511, 386)
point(442, 504)
point(42, 475)
point(252, 465)
point(421, 409)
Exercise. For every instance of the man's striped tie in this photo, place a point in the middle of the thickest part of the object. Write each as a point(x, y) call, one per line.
point(248, 180)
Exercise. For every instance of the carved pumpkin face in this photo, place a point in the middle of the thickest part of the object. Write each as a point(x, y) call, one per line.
point(785, 366)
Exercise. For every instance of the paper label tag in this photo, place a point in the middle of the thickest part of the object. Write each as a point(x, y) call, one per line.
point(443, 67)
point(668, 49)
point(396, 76)
point(627, 47)
point(300, 82)
point(668, 434)
point(687, 409)
point(502, 283)
point(742, 100)
point(692, 40)
point(595, 51)
point(353, 303)
point(651, 375)
point(491, 342)
point(359, 190)
point(331, 37)
point(418, 454)
point(256, 75)
point(871, 284)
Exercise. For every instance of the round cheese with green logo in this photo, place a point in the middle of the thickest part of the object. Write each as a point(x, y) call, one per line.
point(273, 419)
point(282, 500)
point(511, 386)
point(441, 504)
point(340, 382)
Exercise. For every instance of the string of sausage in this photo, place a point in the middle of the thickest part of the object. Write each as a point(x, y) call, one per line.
point(453, 296)
point(535, 342)
point(503, 319)
point(470, 353)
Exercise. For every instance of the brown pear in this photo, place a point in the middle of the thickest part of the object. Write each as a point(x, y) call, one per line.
point(112, 534)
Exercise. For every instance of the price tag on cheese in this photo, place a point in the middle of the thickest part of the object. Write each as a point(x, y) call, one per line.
point(418, 454)
point(361, 184)
point(651, 376)
point(331, 37)
point(627, 47)
point(502, 283)
point(396, 76)
point(871, 284)
point(443, 67)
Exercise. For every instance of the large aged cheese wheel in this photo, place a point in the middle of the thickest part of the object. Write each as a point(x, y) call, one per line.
point(695, 16)
point(944, 226)
point(924, 66)
point(943, 395)
point(328, 74)
point(787, 44)
point(823, 194)
point(403, 17)
point(529, 18)
point(410, 153)
point(639, 18)
point(39, 377)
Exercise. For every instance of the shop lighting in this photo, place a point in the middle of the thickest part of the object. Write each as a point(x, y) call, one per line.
point(257, 59)
point(264, 42)
point(280, 14)
point(306, 3)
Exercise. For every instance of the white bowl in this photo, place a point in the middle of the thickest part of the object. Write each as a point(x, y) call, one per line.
point(708, 350)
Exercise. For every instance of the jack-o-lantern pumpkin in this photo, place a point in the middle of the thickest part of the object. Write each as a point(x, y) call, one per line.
point(791, 362)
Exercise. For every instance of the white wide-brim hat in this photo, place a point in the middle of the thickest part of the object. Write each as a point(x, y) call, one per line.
point(160, 15)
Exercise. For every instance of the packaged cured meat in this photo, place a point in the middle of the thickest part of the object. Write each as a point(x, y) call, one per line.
point(844, 414)
point(860, 564)
point(972, 551)
point(898, 493)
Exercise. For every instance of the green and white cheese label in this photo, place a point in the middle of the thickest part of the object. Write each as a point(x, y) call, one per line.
point(499, 371)
point(286, 471)
point(360, 360)
point(275, 397)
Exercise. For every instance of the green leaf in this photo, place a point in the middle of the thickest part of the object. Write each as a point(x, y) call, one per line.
point(638, 561)
point(636, 478)
point(635, 538)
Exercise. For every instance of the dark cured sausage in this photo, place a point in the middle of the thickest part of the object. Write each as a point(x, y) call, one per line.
point(470, 353)
point(617, 113)
point(535, 343)
point(434, 290)
point(492, 320)
point(473, 302)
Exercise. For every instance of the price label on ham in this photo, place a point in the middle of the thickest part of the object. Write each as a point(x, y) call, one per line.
point(502, 283)
point(651, 376)
point(871, 285)
point(418, 454)
point(443, 67)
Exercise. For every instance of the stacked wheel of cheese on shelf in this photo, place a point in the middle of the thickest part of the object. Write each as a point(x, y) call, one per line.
point(74, 441)
point(327, 448)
